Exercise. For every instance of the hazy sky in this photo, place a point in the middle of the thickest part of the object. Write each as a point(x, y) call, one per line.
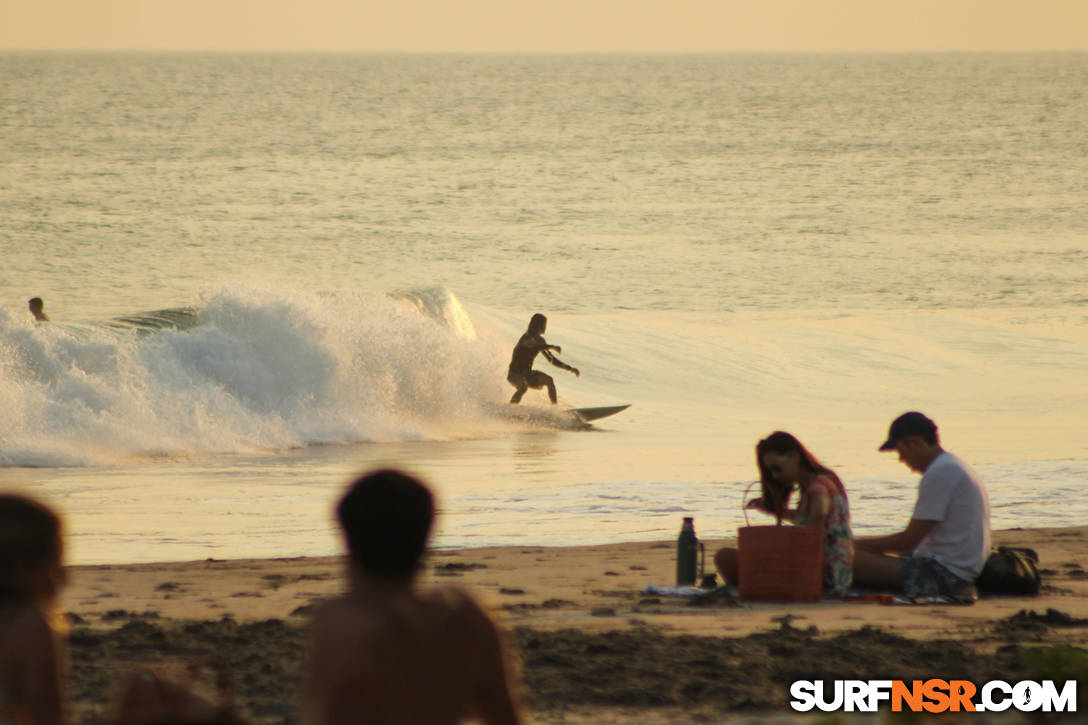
point(546, 25)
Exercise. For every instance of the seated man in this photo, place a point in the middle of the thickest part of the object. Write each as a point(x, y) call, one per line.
point(386, 652)
point(945, 545)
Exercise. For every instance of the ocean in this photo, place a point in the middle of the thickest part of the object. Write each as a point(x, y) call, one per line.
point(268, 273)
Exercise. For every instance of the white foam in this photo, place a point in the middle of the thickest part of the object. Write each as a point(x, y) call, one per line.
point(265, 370)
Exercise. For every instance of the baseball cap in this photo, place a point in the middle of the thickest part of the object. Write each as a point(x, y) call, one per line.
point(908, 424)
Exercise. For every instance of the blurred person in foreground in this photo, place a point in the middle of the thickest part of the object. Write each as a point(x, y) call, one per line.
point(387, 652)
point(151, 698)
point(33, 653)
point(32, 650)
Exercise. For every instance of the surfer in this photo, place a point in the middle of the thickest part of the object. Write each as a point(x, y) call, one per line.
point(521, 374)
point(37, 308)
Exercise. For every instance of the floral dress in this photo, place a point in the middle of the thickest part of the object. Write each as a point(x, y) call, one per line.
point(838, 541)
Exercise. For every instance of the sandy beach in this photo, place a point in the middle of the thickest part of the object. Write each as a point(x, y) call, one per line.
point(591, 646)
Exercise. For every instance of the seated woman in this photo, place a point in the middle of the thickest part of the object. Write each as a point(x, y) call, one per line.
point(785, 464)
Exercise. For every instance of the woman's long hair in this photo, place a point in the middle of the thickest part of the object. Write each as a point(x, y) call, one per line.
point(776, 494)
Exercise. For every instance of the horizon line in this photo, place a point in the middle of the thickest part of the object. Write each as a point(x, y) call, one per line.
point(308, 51)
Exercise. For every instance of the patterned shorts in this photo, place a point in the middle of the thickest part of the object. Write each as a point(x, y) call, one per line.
point(924, 576)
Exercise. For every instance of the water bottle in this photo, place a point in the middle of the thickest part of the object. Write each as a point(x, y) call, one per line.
point(687, 554)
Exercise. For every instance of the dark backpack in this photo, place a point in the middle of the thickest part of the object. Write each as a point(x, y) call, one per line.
point(1010, 570)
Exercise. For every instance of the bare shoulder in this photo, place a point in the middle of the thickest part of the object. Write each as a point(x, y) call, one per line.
point(454, 603)
point(532, 340)
point(822, 484)
point(443, 606)
point(342, 634)
point(458, 612)
point(480, 654)
point(340, 616)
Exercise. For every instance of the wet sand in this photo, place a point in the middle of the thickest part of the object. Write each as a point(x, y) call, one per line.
point(591, 646)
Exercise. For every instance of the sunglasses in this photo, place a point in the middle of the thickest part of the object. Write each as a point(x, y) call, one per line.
point(779, 464)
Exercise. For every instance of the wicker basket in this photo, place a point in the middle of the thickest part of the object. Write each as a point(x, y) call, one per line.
point(780, 563)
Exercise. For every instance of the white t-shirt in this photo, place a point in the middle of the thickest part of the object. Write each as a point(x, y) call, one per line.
point(952, 494)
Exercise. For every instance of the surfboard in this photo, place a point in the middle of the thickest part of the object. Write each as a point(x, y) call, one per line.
point(588, 414)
